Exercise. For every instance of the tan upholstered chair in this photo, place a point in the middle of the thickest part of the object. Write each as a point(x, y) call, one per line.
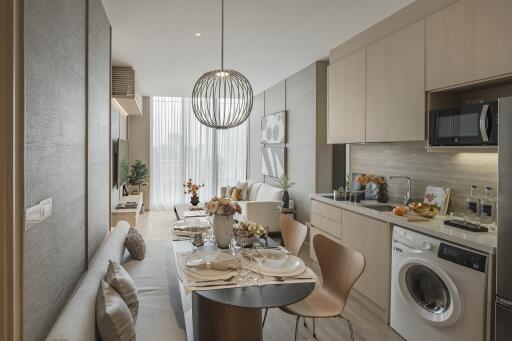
point(341, 267)
point(294, 234)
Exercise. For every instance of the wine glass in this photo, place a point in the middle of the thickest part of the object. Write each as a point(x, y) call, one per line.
point(242, 238)
point(258, 257)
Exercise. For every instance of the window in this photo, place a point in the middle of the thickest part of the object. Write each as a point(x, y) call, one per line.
point(183, 148)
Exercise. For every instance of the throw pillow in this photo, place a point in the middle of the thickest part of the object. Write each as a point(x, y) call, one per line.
point(229, 191)
point(135, 244)
point(244, 186)
point(237, 194)
point(119, 279)
point(113, 317)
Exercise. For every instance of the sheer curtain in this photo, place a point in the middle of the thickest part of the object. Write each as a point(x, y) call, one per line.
point(183, 148)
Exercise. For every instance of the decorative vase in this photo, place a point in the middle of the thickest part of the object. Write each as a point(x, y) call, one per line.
point(223, 228)
point(286, 199)
point(194, 200)
point(382, 193)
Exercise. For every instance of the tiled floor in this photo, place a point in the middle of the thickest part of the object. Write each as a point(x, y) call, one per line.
point(280, 326)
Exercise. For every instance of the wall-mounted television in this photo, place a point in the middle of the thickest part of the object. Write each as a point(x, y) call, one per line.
point(121, 165)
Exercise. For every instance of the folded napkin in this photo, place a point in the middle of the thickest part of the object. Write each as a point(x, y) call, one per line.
point(223, 265)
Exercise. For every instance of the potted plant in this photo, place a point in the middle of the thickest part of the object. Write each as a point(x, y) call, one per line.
point(139, 175)
point(285, 184)
point(192, 189)
point(222, 211)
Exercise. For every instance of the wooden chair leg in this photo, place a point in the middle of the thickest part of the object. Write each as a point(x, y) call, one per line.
point(265, 317)
point(297, 327)
point(349, 327)
point(314, 328)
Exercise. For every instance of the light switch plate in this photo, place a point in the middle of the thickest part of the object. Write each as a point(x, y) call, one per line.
point(37, 213)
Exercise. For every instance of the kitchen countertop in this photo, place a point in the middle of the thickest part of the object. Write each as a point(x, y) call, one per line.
point(482, 241)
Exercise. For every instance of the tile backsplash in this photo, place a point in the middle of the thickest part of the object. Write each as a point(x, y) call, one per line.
point(458, 171)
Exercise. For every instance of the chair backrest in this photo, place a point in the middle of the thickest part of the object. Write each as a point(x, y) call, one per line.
point(340, 266)
point(293, 232)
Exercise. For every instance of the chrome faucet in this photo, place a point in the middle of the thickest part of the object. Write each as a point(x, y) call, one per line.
point(407, 197)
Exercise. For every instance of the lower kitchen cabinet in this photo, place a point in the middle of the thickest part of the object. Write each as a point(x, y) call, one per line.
point(371, 237)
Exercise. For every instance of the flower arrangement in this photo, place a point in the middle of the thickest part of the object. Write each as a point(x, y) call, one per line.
point(255, 229)
point(365, 179)
point(192, 188)
point(284, 182)
point(222, 206)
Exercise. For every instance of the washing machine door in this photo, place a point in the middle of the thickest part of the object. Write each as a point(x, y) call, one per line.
point(429, 291)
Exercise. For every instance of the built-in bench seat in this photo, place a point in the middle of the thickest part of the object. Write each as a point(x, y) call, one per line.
point(153, 277)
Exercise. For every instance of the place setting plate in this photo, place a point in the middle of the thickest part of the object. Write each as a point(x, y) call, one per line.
point(195, 259)
point(292, 266)
point(189, 229)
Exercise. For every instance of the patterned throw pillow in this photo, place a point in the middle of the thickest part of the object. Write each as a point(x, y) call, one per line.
point(237, 194)
point(113, 317)
point(229, 191)
point(244, 186)
point(120, 280)
point(135, 244)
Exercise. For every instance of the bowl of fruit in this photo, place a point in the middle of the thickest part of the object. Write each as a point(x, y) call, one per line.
point(424, 210)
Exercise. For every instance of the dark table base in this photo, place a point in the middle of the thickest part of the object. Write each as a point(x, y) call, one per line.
point(215, 321)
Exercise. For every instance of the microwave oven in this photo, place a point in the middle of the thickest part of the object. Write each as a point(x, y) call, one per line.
point(469, 125)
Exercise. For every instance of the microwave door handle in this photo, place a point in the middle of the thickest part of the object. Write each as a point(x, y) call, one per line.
point(483, 128)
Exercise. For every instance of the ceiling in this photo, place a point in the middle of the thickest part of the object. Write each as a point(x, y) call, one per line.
point(266, 40)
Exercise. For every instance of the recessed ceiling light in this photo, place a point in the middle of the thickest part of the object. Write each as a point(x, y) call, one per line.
point(198, 34)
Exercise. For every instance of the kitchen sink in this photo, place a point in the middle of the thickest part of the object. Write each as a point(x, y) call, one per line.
point(380, 208)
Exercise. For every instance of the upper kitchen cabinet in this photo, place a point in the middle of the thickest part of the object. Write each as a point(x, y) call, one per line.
point(347, 99)
point(468, 41)
point(395, 98)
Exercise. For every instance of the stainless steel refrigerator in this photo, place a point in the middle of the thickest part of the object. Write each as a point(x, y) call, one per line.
point(503, 331)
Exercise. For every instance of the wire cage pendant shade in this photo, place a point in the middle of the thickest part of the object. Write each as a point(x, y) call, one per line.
point(222, 98)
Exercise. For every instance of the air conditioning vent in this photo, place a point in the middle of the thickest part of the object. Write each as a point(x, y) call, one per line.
point(125, 91)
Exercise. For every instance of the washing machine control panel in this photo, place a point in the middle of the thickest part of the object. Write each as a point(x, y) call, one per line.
point(462, 257)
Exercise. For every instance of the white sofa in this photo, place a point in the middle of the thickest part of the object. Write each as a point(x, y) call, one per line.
point(262, 204)
point(156, 319)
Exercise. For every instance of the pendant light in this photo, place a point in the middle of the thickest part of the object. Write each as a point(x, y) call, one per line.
point(222, 98)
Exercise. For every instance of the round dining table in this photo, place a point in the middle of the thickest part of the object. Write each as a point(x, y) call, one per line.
point(231, 314)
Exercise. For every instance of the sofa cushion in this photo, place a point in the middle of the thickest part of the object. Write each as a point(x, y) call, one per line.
point(160, 304)
point(121, 281)
point(253, 191)
point(77, 320)
point(113, 317)
point(135, 244)
point(269, 193)
point(237, 193)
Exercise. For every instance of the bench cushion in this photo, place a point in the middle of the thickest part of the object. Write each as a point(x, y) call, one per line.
point(154, 277)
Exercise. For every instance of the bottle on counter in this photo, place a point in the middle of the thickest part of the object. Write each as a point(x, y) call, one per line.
point(472, 204)
point(487, 208)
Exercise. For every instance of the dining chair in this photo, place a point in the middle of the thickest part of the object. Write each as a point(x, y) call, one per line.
point(340, 268)
point(293, 234)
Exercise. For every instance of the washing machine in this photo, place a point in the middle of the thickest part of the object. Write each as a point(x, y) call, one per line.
point(438, 289)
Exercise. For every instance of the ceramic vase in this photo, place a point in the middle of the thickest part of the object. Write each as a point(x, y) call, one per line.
point(194, 200)
point(223, 228)
point(286, 199)
point(382, 194)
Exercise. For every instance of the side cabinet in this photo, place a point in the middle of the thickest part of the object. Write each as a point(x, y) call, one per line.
point(468, 41)
point(371, 237)
point(346, 115)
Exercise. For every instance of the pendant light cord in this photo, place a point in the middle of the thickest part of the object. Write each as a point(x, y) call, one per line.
point(222, 37)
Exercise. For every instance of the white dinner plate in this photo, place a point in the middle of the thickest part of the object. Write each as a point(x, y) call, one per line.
point(291, 267)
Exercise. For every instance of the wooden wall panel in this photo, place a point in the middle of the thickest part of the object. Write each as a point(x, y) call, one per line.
point(55, 163)
point(98, 117)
